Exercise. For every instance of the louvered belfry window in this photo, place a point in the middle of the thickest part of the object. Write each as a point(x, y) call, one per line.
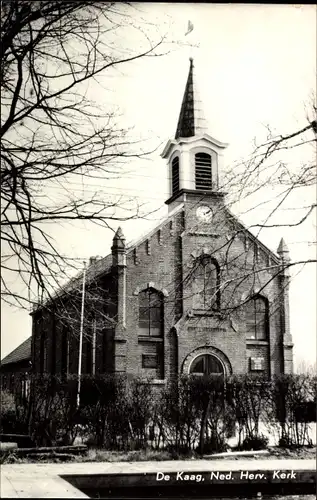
point(203, 171)
point(175, 175)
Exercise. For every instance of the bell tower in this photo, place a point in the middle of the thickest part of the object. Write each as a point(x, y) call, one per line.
point(194, 158)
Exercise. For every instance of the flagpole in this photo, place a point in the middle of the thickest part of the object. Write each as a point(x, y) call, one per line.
point(81, 335)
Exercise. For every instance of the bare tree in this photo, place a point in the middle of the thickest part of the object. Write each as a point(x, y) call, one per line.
point(268, 168)
point(52, 133)
point(271, 165)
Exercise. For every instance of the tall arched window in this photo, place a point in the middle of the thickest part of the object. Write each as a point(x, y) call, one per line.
point(207, 284)
point(206, 364)
point(257, 318)
point(203, 177)
point(151, 313)
point(175, 175)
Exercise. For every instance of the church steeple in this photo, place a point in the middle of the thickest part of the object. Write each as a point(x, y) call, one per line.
point(191, 120)
point(194, 157)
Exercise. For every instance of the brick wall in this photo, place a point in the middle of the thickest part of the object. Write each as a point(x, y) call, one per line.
point(164, 261)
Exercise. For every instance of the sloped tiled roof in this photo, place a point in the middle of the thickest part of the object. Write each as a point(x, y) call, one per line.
point(20, 353)
point(102, 266)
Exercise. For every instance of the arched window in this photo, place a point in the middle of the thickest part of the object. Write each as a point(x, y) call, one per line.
point(257, 318)
point(203, 177)
point(175, 175)
point(150, 313)
point(207, 284)
point(206, 364)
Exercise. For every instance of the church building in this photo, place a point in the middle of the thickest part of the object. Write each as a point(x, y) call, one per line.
point(198, 294)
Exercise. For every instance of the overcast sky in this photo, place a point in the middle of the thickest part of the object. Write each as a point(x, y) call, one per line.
point(256, 65)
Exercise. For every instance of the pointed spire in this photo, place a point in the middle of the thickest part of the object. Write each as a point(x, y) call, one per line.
point(283, 250)
point(119, 239)
point(191, 120)
point(119, 234)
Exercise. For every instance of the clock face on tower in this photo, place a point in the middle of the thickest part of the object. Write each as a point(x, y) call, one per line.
point(204, 213)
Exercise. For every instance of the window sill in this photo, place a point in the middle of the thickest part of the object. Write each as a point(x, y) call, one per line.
point(257, 342)
point(148, 338)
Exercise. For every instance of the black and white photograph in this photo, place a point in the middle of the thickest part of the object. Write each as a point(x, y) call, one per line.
point(158, 250)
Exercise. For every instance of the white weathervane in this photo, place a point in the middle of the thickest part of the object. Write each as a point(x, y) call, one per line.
point(190, 28)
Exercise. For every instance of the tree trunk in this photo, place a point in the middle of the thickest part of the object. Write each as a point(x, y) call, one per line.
point(204, 425)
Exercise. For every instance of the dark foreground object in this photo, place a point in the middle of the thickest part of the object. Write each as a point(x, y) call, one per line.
point(22, 440)
point(128, 486)
point(204, 492)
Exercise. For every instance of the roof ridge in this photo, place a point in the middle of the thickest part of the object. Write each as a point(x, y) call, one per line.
point(266, 248)
point(131, 245)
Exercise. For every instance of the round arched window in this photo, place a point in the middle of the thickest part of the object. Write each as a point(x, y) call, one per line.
point(206, 364)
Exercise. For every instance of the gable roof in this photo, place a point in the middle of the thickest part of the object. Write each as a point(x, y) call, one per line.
point(20, 353)
point(98, 267)
point(103, 266)
point(141, 239)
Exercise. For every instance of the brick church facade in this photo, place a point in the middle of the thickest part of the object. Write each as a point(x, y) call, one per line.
point(198, 294)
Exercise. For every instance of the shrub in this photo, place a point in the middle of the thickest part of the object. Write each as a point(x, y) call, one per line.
point(13, 416)
point(249, 396)
point(191, 413)
point(291, 395)
point(214, 444)
point(140, 412)
point(259, 442)
point(179, 414)
point(284, 442)
point(104, 410)
point(7, 402)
